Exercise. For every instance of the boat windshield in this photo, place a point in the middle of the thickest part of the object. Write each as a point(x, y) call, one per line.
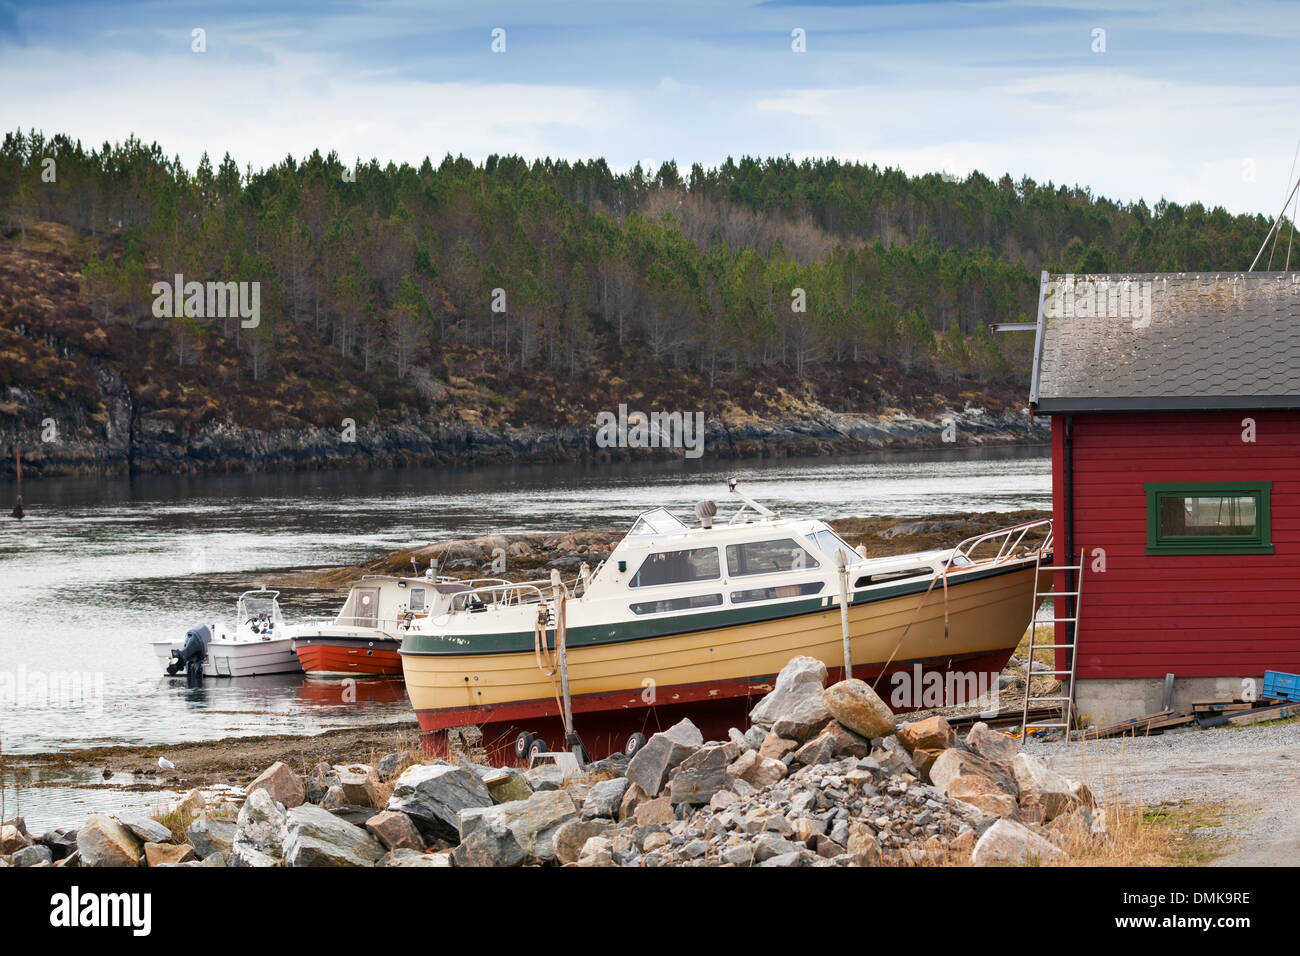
point(829, 542)
point(659, 521)
point(258, 607)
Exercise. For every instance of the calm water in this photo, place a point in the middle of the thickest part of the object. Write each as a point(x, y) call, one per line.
point(101, 567)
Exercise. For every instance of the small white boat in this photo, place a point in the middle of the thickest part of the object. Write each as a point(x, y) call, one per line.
point(259, 643)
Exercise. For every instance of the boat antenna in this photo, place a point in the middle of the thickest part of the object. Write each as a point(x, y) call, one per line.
point(747, 502)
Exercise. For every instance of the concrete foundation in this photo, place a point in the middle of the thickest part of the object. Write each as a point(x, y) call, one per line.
point(1110, 700)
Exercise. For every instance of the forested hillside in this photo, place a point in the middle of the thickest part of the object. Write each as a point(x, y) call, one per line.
point(516, 293)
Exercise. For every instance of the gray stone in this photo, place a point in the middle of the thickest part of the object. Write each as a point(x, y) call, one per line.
point(801, 679)
point(650, 766)
point(211, 835)
point(533, 821)
point(433, 794)
point(741, 854)
point(259, 831)
point(802, 721)
point(213, 859)
point(1007, 843)
point(33, 855)
point(316, 837)
point(62, 843)
point(573, 835)
point(145, 829)
point(404, 857)
point(702, 775)
point(490, 845)
point(993, 745)
point(605, 797)
point(546, 777)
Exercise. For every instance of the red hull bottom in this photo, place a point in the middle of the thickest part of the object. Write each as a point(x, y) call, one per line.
point(606, 721)
point(340, 658)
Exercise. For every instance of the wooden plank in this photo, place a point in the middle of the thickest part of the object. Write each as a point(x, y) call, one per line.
point(1132, 725)
point(1261, 714)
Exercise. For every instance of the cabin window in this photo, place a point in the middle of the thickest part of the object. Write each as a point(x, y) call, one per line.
point(676, 604)
point(780, 591)
point(417, 600)
point(768, 557)
point(1225, 517)
point(829, 542)
point(677, 567)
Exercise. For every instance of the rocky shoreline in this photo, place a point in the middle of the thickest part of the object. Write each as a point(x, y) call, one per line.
point(124, 442)
point(824, 776)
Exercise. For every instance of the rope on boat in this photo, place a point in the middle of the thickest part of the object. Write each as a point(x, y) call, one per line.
point(916, 613)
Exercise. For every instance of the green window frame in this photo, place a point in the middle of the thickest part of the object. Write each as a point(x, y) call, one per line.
point(1161, 540)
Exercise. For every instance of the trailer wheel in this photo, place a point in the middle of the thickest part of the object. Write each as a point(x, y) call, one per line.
point(536, 746)
point(522, 743)
point(634, 743)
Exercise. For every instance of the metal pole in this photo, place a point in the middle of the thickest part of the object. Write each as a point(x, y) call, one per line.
point(562, 658)
point(843, 560)
point(1276, 222)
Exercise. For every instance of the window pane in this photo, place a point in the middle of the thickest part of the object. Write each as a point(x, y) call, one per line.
point(768, 557)
point(1185, 516)
point(780, 591)
point(677, 604)
point(677, 567)
point(829, 543)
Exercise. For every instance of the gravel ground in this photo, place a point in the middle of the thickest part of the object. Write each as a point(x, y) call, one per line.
point(1254, 770)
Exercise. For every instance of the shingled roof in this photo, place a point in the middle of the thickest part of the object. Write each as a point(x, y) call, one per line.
point(1156, 341)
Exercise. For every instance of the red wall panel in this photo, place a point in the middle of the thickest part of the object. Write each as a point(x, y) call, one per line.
point(1192, 615)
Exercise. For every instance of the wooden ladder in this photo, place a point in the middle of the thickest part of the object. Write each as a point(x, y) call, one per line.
point(1066, 676)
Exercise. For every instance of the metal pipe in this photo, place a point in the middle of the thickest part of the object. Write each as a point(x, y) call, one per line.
point(1276, 222)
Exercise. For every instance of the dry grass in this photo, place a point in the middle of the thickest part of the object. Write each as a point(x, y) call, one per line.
point(1157, 836)
point(175, 821)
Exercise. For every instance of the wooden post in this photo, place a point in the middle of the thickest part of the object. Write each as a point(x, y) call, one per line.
point(843, 561)
point(18, 505)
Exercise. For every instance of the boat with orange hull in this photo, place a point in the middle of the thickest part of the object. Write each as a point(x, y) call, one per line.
point(696, 622)
point(344, 656)
point(363, 639)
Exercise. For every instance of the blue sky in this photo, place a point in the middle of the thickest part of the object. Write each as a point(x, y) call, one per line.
point(1188, 101)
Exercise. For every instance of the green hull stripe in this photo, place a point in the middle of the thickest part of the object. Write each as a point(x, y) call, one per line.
point(516, 642)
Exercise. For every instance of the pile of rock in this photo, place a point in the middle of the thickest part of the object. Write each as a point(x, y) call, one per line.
point(823, 777)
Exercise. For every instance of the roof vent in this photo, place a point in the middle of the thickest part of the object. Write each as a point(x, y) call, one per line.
point(705, 510)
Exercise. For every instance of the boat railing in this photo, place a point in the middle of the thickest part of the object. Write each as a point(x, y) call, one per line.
point(502, 595)
point(1008, 540)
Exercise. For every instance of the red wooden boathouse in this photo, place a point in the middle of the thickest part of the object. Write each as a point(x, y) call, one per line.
point(1175, 411)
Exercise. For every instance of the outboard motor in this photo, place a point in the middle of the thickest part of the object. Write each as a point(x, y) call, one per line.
point(190, 656)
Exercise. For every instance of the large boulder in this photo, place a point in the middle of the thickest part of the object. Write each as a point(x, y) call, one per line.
point(102, 841)
point(260, 831)
point(432, 795)
point(993, 745)
point(146, 830)
point(1008, 843)
point(359, 782)
point(395, 831)
point(755, 770)
point(1041, 786)
point(933, 733)
point(799, 680)
point(507, 784)
point(490, 845)
point(156, 854)
point(604, 798)
point(702, 775)
point(62, 843)
point(284, 786)
point(34, 855)
point(650, 765)
point(533, 821)
point(954, 763)
point(316, 837)
point(984, 794)
point(572, 836)
point(12, 839)
point(856, 706)
point(209, 835)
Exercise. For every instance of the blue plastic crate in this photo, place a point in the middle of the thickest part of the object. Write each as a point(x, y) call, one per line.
point(1281, 685)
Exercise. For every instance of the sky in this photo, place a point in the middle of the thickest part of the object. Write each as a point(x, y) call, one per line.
point(1185, 101)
